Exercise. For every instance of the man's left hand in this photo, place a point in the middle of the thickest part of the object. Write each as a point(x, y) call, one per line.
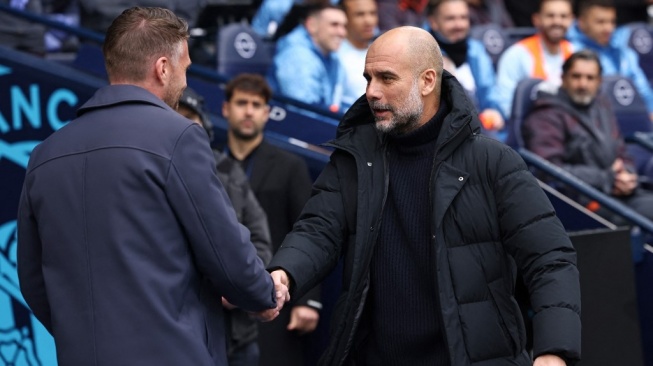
point(549, 360)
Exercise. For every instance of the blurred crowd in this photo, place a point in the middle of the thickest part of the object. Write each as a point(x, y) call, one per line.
point(317, 48)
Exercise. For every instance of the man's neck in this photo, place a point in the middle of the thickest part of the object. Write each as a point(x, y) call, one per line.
point(358, 44)
point(239, 148)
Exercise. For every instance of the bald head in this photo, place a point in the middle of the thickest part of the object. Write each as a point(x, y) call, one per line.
point(415, 47)
point(404, 72)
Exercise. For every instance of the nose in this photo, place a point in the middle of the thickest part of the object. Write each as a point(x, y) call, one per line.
point(372, 91)
point(249, 109)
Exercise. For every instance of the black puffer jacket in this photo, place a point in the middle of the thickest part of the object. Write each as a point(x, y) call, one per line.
point(490, 218)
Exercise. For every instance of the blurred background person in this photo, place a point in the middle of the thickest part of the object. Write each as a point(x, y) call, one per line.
point(362, 21)
point(449, 24)
point(242, 329)
point(594, 30)
point(305, 65)
point(282, 185)
point(538, 56)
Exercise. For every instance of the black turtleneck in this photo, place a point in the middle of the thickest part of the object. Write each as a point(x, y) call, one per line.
point(404, 312)
point(456, 51)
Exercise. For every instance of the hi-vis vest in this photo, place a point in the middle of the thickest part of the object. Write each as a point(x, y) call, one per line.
point(534, 46)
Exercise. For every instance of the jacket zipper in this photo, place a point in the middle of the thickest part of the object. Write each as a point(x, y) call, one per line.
point(368, 258)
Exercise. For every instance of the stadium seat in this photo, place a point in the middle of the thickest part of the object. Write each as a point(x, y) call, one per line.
point(494, 38)
point(522, 102)
point(640, 39)
point(632, 116)
point(240, 50)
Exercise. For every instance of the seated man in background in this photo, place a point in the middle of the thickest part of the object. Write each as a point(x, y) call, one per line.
point(539, 56)
point(449, 22)
point(577, 130)
point(242, 330)
point(362, 20)
point(594, 30)
point(305, 66)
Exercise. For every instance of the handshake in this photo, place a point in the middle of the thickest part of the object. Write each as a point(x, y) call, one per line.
point(281, 287)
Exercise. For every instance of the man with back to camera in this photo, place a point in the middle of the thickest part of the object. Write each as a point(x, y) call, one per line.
point(432, 221)
point(282, 186)
point(127, 239)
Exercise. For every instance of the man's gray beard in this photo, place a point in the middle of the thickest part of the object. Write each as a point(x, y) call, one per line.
point(405, 119)
point(583, 101)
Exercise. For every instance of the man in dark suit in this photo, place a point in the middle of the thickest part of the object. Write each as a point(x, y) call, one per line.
point(282, 186)
point(127, 240)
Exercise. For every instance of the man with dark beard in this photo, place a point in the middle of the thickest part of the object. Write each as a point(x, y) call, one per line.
point(432, 221)
point(577, 130)
point(538, 56)
point(281, 183)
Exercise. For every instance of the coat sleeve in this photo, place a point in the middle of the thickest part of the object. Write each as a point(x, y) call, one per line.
point(534, 236)
point(220, 245)
point(256, 221)
point(30, 264)
point(300, 192)
point(311, 250)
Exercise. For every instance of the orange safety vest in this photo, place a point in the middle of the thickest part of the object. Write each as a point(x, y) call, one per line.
point(534, 45)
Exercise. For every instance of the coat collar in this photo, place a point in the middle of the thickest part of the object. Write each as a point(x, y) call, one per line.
point(112, 95)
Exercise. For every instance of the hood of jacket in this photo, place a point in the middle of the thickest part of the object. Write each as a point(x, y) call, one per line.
point(461, 121)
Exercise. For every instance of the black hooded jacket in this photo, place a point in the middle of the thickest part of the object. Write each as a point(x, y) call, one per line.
point(489, 219)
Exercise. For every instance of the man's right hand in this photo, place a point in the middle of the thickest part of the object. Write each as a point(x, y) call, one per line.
point(281, 283)
point(624, 183)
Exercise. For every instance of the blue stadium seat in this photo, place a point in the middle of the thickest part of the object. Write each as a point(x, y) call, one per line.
point(632, 116)
point(629, 107)
point(240, 50)
point(522, 102)
point(640, 39)
point(494, 38)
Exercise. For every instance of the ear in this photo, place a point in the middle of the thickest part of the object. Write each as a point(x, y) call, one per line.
point(428, 81)
point(163, 70)
point(225, 109)
point(535, 19)
point(311, 25)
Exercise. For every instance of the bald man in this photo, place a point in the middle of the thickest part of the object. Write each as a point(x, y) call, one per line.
point(431, 218)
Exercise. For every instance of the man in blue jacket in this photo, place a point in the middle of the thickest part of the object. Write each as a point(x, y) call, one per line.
point(127, 240)
point(470, 62)
point(305, 65)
